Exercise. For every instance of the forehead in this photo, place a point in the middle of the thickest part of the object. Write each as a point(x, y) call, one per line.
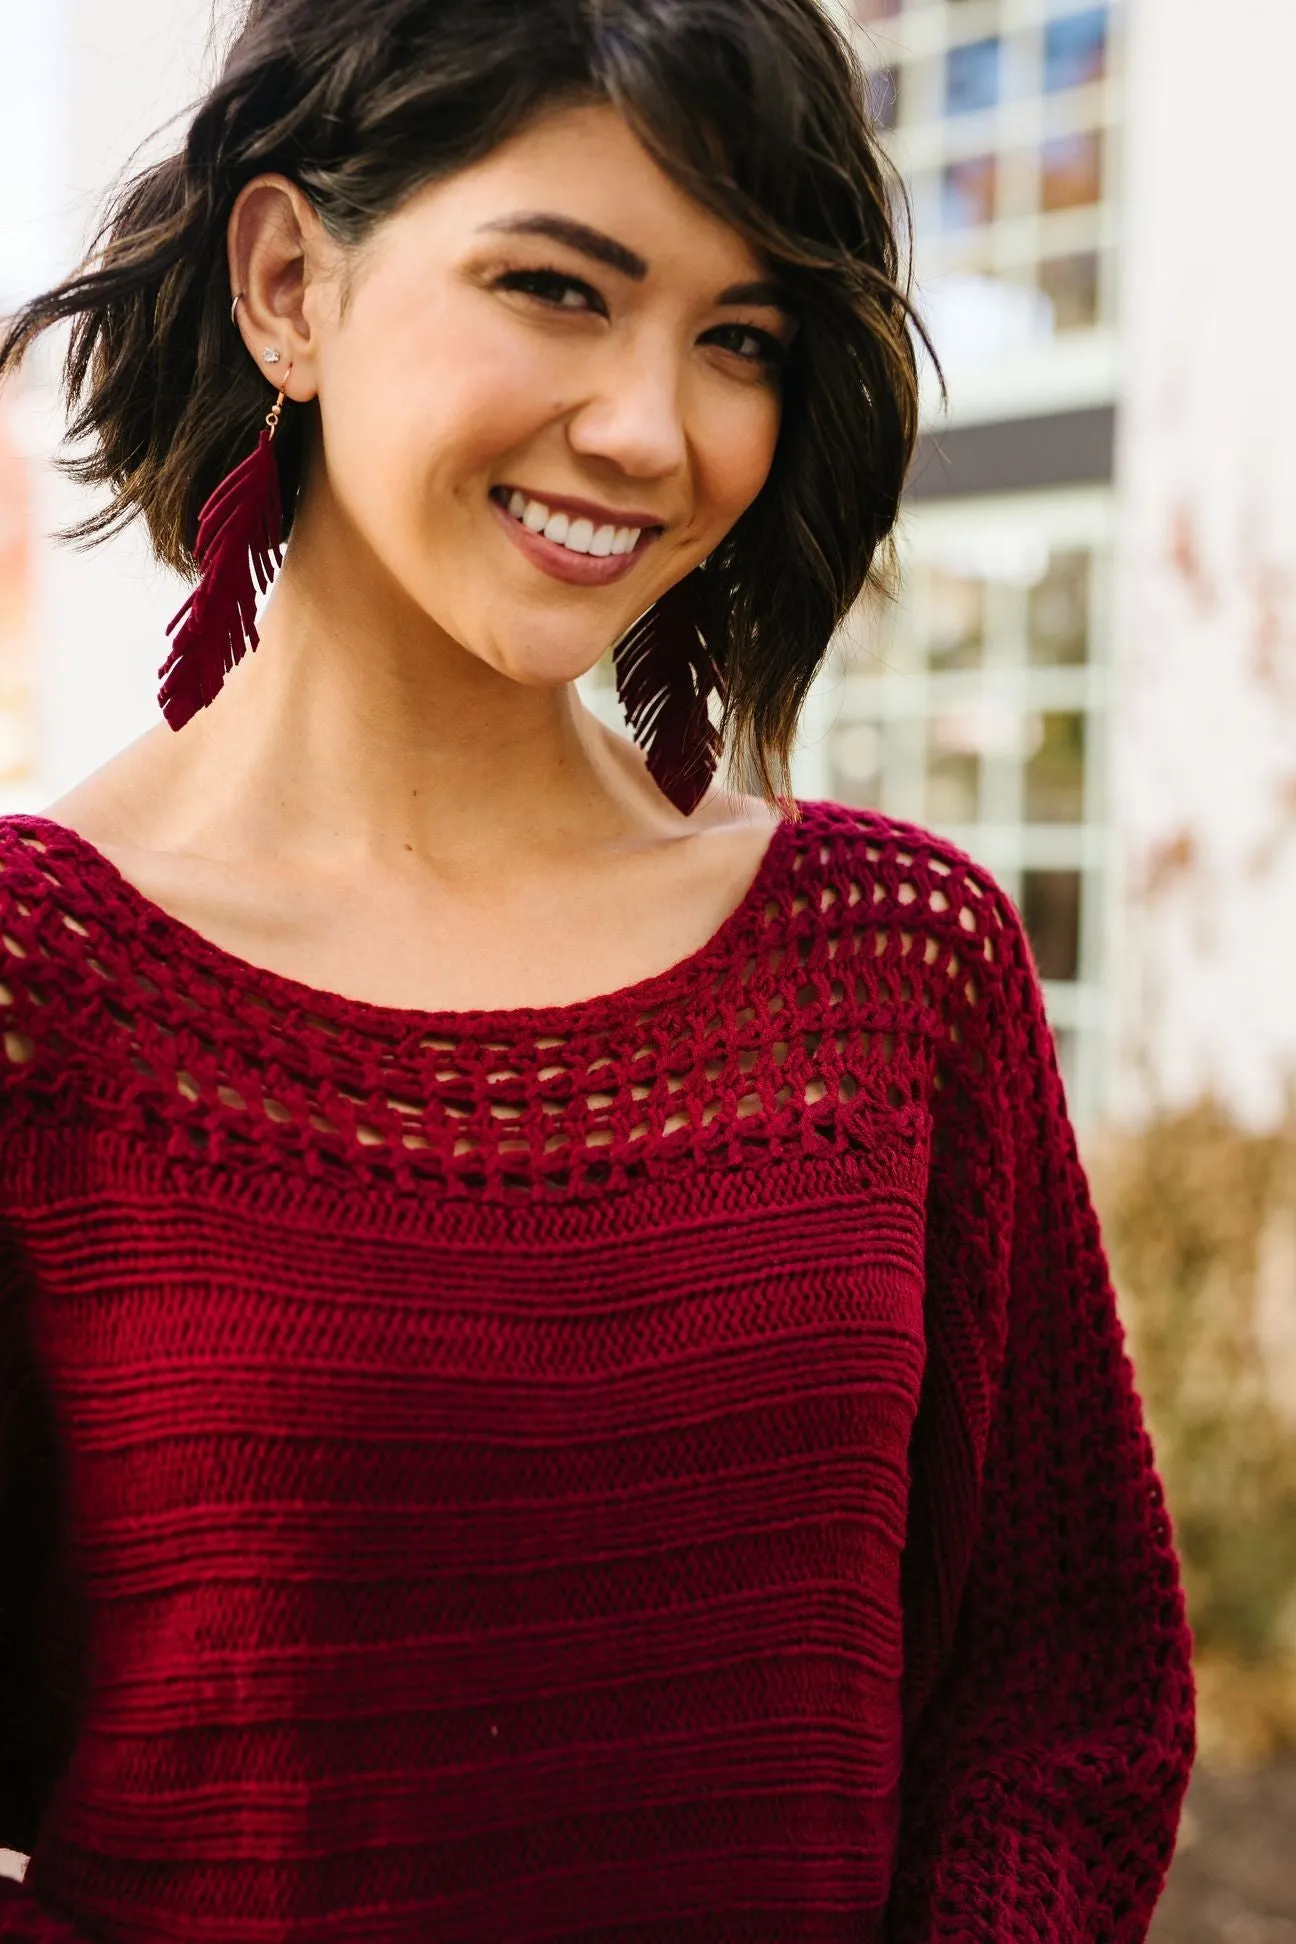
point(586, 162)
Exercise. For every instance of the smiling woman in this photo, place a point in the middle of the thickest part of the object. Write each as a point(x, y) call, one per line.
point(801, 206)
point(557, 1376)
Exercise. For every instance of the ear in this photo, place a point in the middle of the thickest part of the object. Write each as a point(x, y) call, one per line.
point(279, 256)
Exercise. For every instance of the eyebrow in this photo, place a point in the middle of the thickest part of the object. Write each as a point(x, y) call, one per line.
point(617, 256)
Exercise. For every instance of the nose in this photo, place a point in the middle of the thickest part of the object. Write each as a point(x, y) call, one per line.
point(633, 416)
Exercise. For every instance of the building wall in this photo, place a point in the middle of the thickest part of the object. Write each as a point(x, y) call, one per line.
point(1204, 750)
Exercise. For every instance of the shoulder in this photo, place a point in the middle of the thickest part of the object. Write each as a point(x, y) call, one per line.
point(898, 871)
point(28, 894)
point(38, 886)
point(934, 941)
point(47, 963)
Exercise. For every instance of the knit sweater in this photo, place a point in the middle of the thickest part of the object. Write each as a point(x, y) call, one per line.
point(658, 1467)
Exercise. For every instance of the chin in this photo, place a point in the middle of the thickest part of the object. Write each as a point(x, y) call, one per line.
point(538, 666)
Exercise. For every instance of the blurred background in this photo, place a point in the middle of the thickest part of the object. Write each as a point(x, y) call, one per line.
point(1087, 677)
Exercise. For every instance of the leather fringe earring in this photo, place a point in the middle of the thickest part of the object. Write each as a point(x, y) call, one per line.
point(240, 537)
point(666, 673)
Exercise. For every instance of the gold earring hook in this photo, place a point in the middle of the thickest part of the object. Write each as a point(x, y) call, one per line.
point(276, 410)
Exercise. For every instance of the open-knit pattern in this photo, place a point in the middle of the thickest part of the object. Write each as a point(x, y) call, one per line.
point(659, 1467)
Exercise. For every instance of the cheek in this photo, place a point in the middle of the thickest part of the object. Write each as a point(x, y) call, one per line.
point(425, 424)
point(734, 449)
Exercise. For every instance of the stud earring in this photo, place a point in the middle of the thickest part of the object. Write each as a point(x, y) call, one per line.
point(270, 355)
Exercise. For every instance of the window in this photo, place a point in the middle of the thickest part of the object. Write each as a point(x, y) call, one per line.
point(1055, 768)
point(975, 704)
point(972, 77)
point(1071, 285)
point(1057, 612)
point(956, 620)
point(1064, 1042)
point(1075, 49)
point(968, 192)
point(1050, 909)
point(953, 770)
point(1071, 170)
point(856, 758)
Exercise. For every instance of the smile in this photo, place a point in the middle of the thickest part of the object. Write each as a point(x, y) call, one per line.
point(570, 545)
point(577, 535)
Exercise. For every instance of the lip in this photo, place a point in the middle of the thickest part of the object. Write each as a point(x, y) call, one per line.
point(581, 570)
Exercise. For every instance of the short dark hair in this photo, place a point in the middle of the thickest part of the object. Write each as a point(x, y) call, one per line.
point(758, 108)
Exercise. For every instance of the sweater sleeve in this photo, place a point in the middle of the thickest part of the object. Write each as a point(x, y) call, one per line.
point(33, 1635)
point(1050, 1703)
point(38, 1633)
point(24, 1921)
point(27, 1743)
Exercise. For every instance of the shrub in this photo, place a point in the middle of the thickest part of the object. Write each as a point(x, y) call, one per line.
point(1200, 1220)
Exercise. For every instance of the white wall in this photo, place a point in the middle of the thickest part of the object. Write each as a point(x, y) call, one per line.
point(1205, 757)
point(128, 65)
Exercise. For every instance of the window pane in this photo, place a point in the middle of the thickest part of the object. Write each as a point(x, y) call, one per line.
point(1071, 170)
point(968, 192)
point(953, 772)
point(1051, 914)
point(1058, 612)
point(972, 77)
point(1055, 771)
point(1071, 285)
point(855, 754)
point(1075, 49)
point(884, 96)
point(956, 621)
point(1064, 1041)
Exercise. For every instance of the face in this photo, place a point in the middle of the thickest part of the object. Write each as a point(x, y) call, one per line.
point(551, 391)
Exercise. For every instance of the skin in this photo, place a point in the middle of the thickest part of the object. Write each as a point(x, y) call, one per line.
point(400, 797)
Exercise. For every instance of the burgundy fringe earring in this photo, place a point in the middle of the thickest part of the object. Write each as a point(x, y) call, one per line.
point(240, 535)
point(666, 673)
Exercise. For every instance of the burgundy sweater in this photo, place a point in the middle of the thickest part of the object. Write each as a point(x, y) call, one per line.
point(658, 1467)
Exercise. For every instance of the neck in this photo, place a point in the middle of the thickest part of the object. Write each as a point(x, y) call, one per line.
point(360, 729)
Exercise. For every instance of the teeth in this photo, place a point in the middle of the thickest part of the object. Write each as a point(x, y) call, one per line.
point(580, 535)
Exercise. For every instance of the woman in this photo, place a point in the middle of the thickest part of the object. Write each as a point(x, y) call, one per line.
point(560, 1377)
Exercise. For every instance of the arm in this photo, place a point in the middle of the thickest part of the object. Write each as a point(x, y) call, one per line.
point(24, 1921)
point(37, 1664)
point(38, 1632)
point(1050, 1707)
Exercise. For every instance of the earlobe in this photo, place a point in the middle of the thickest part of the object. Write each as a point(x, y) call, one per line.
point(269, 272)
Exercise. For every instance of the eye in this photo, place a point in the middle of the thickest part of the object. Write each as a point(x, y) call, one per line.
point(553, 288)
point(750, 344)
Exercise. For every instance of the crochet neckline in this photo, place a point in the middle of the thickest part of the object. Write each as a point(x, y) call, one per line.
point(182, 942)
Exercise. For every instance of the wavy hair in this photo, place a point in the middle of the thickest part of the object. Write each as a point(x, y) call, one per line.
point(757, 108)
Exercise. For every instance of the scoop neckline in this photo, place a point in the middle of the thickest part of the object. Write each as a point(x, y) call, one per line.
point(289, 994)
